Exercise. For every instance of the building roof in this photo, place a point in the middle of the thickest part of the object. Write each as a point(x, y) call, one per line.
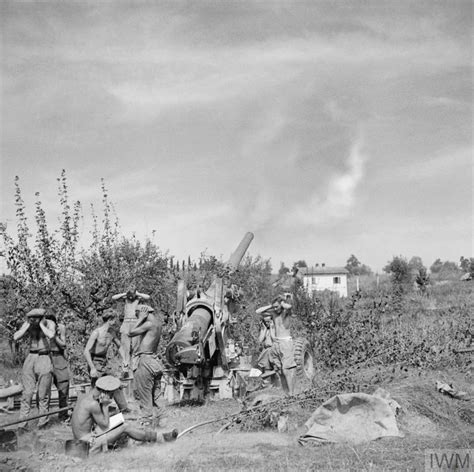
point(320, 270)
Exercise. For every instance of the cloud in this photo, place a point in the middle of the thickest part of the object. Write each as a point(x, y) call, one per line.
point(431, 168)
point(336, 201)
point(251, 105)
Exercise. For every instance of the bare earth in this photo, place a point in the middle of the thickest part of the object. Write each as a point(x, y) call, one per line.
point(429, 420)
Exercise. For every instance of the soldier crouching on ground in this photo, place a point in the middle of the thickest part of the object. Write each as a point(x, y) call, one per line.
point(96, 350)
point(37, 368)
point(91, 421)
point(281, 354)
point(149, 368)
point(61, 373)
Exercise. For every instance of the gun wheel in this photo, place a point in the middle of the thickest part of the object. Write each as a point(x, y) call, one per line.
point(303, 359)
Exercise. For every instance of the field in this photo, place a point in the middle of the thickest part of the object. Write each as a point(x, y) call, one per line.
point(429, 420)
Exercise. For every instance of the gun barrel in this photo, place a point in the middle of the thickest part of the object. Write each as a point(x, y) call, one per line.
point(198, 322)
point(200, 318)
point(239, 253)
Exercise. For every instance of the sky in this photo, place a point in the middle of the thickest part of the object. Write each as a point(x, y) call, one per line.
point(326, 128)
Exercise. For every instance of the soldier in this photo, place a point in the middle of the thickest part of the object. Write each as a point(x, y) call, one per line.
point(149, 368)
point(96, 350)
point(281, 355)
point(132, 298)
point(266, 336)
point(61, 373)
point(37, 368)
point(91, 421)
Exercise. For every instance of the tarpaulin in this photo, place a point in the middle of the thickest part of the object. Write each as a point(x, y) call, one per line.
point(353, 418)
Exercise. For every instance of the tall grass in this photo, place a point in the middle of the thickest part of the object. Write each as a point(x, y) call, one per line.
point(382, 326)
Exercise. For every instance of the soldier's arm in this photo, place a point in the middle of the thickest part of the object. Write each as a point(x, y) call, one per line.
point(287, 312)
point(121, 351)
point(272, 332)
point(48, 327)
point(22, 331)
point(262, 310)
point(140, 329)
point(143, 296)
point(87, 350)
point(263, 333)
point(100, 413)
point(118, 296)
point(61, 336)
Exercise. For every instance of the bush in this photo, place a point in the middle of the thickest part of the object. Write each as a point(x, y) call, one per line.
point(386, 327)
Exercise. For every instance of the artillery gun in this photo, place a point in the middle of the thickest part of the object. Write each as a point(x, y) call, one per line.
point(201, 352)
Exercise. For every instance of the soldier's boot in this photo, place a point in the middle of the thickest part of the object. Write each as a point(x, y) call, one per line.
point(170, 436)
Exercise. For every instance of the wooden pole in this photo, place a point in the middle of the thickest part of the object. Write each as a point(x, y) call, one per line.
point(30, 418)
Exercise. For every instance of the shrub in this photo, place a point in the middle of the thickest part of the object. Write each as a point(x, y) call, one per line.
point(386, 328)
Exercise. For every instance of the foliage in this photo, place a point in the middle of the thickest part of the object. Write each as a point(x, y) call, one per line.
point(355, 267)
point(400, 272)
point(436, 266)
point(422, 279)
point(445, 270)
point(467, 265)
point(380, 325)
point(253, 278)
point(371, 328)
point(300, 263)
point(283, 269)
point(415, 264)
point(49, 269)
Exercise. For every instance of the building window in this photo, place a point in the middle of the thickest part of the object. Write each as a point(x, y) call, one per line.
point(336, 280)
point(314, 280)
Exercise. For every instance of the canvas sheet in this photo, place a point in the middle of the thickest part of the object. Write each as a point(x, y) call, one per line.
point(353, 418)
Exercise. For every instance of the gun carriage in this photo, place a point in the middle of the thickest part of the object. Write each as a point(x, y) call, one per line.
point(202, 354)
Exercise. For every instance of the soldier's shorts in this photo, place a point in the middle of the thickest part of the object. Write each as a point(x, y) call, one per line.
point(263, 362)
point(282, 354)
point(61, 370)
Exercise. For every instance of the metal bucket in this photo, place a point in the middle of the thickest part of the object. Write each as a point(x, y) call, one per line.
point(77, 448)
point(8, 440)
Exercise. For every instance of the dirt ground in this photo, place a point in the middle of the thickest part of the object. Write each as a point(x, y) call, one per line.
point(429, 420)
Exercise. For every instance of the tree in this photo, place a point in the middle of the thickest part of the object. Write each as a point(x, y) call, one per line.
point(465, 264)
point(48, 270)
point(354, 266)
point(416, 264)
point(399, 270)
point(422, 279)
point(283, 269)
point(300, 263)
point(446, 269)
point(436, 266)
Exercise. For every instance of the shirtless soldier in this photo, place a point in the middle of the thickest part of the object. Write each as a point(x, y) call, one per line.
point(132, 298)
point(149, 367)
point(96, 350)
point(281, 355)
point(37, 367)
point(91, 421)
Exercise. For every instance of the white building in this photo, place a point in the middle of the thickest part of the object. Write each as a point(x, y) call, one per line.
point(319, 278)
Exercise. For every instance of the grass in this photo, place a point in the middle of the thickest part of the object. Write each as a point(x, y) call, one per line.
point(429, 419)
